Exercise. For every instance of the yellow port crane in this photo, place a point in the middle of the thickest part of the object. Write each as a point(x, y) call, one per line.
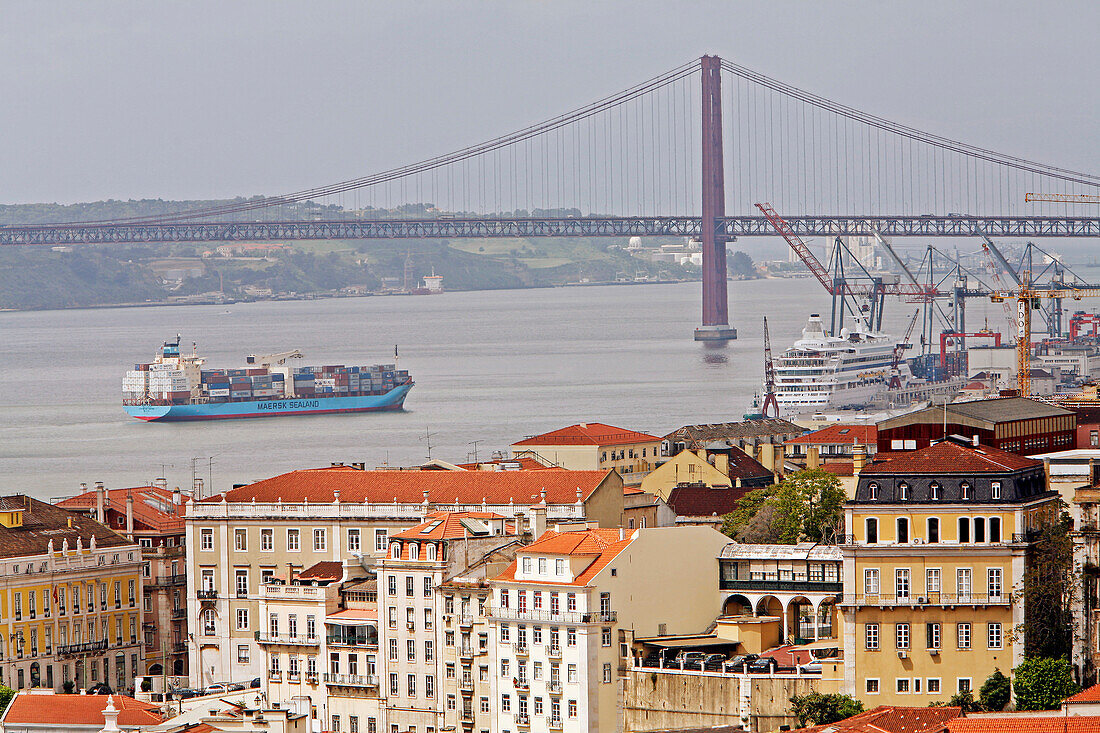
point(1062, 198)
point(1027, 299)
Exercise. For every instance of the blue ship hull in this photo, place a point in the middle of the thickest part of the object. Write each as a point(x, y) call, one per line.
point(392, 400)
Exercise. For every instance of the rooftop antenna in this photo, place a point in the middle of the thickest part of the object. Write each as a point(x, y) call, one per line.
point(428, 441)
point(474, 454)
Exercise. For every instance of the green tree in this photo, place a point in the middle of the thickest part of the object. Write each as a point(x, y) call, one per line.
point(964, 700)
point(1049, 592)
point(996, 691)
point(807, 505)
point(817, 709)
point(748, 506)
point(1042, 683)
point(6, 694)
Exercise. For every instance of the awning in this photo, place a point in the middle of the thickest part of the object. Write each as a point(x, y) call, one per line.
point(687, 642)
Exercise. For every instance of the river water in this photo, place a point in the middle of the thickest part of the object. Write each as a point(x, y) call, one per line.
point(490, 366)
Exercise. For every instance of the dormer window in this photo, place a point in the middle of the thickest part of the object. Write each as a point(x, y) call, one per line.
point(872, 488)
point(996, 489)
point(431, 551)
point(934, 488)
point(526, 564)
point(414, 551)
point(903, 491)
point(965, 487)
point(395, 551)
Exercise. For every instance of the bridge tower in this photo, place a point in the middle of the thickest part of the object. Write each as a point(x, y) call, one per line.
point(715, 302)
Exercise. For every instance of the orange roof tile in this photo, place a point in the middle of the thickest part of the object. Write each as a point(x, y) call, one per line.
point(324, 570)
point(65, 710)
point(947, 456)
point(444, 526)
point(839, 434)
point(1089, 694)
point(592, 433)
point(355, 614)
point(408, 487)
point(1053, 723)
point(603, 545)
point(146, 511)
point(891, 719)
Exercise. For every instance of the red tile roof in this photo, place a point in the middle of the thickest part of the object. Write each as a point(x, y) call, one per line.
point(950, 457)
point(408, 487)
point(839, 434)
point(891, 719)
point(355, 614)
point(66, 710)
point(324, 570)
point(444, 526)
point(592, 433)
point(603, 545)
point(703, 501)
point(1053, 723)
point(146, 509)
point(1089, 694)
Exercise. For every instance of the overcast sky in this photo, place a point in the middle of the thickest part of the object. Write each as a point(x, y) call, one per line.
point(214, 99)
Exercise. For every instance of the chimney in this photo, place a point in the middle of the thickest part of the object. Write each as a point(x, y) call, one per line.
point(859, 458)
point(767, 456)
point(100, 500)
point(622, 534)
point(976, 440)
point(177, 499)
point(130, 515)
point(538, 520)
point(1046, 472)
point(722, 463)
point(812, 458)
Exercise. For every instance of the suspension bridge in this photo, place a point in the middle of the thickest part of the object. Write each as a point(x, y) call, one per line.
point(687, 153)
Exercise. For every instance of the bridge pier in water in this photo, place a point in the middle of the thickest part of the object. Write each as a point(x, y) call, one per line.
point(715, 327)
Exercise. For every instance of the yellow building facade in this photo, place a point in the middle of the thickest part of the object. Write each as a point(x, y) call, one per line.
point(933, 571)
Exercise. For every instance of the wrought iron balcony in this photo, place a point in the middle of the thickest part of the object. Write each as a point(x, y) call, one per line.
point(352, 680)
point(207, 595)
point(782, 586)
point(178, 613)
point(928, 599)
point(87, 647)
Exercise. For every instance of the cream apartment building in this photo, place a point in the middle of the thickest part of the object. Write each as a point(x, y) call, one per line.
point(272, 530)
point(566, 612)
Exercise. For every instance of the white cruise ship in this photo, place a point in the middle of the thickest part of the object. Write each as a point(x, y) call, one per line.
point(823, 372)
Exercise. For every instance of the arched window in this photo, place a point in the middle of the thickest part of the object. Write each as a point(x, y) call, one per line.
point(903, 491)
point(431, 551)
point(414, 551)
point(872, 530)
point(979, 530)
point(933, 530)
point(994, 529)
point(872, 489)
point(965, 488)
point(395, 550)
point(996, 489)
point(903, 529)
point(964, 530)
point(934, 489)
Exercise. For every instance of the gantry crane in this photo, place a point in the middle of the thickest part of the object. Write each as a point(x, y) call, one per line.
point(1028, 298)
point(769, 376)
point(899, 349)
point(266, 360)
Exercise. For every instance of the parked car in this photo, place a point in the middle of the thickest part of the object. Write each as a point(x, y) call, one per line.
point(184, 693)
point(810, 668)
point(691, 660)
point(741, 662)
point(101, 688)
point(220, 688)
point(255, 683)
point(763, 665)
point(714, 662)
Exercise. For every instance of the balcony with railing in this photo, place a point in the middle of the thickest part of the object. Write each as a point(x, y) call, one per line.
point(927, 599)
point(165, 581)
point(554, 687)
point(555, 723)
point(178, 613)
point(567, 617)
point(278, 591)
point(773, 585)
point(87, 647)
point(285, 639)
point(206, 595)
point(521, 683)
point(352, 510)
point(179, 647)
point(466, 652)
point(553, 652)
point(521, 649)
point(523, 720)
point(465, 620)
point(352, 680)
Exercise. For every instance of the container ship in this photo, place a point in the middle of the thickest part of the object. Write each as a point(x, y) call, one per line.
point(175, 387)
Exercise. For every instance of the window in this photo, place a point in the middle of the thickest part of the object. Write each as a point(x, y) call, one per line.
point(240, 540)
point(994, 583)
point(901, 582)
point(320, 539)
point(572, 708)
point(571, 602)
point(871, 686)
point(979, 530)
point(994, 529)
point(429, 686)
point(427, 619)
point(431, 551)
point(336, 723)
point(393, 650)
point(933, 685)
point(871, 581)
point(393, 685)
point(427, 586)
point(273, 625)
point(484, 704)
point(902, 636)
point(903, 685)
point(995, 490)
point(962, 583)
point(242, 619)
point(242, 654)
point(934, 490)
point(964, 489)
point(903, 491)
point(293, 540)
point(411, 685)
point(410, 586)
point(903, 529)
point(607, 673)
point(207, 623)
point(872, 530)
point(429, 649)
point(504, 633)
point(391, 585)
point(506, 703)
point(994, 636)
point(559, 566)
point(353, 724)
point(964, 530)
point(570, 637)
point(241, 583)
point(311, 627)
point(504, 666)
point(932, 636)
point(605, 637)
point(267, 540)
point(571, 673)
point(526, 565)
point(381, 539)
point(870, 635)
point(292, 626)
point(410, 650)
point(964, 684)
point(414, 550)
point(872, 490)
point(933, 530)
point(354, 544)
point(963, 632)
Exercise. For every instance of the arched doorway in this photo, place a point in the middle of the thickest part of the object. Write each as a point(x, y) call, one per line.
point(36, 675)
point(177, 668)
point(737, 605)
point(156, 669)
point(800, 620)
